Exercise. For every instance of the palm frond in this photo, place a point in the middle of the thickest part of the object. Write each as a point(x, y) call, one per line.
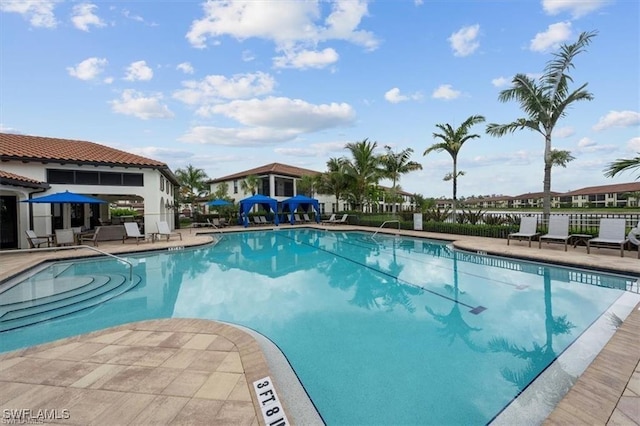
point(622, 165)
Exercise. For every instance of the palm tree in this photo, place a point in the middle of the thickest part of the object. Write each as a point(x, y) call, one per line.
point(363, 170)
point(544, 102)
point(452, 141)
point(621, 165)
point(193, 182)
point(307, 185)
point(250, 184)
point(396, 164)
point(334, 181)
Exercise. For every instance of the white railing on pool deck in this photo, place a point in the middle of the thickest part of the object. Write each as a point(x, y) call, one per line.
point(384, 223)
point(118, 258)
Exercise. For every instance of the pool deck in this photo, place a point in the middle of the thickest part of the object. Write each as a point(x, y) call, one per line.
point(192, 371)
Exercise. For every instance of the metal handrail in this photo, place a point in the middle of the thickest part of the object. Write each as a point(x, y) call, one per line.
point(384, 223)
point(120, 259)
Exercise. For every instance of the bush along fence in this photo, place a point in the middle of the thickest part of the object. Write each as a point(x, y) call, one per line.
point(493, 224)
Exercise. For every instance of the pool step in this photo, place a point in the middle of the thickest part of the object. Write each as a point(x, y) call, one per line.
point(27, 312)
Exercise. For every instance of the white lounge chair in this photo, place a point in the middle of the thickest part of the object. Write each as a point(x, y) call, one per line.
point(65, 237)
point(306, 217)
point(611, 233)
point(634, 237)
point(528, 225)
point(343, 219)
point(558, 231)
point(132, 231)
point(164, 231)
point(35, 241)
point(332, 219)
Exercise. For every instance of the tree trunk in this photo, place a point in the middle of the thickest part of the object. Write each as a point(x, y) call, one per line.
point(546, 201)
point(455, 189)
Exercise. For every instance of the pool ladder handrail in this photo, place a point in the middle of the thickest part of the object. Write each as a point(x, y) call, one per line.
point(120, 259)
point(384, 223)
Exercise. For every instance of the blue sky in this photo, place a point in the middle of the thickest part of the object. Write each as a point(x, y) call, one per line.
point(232, 85)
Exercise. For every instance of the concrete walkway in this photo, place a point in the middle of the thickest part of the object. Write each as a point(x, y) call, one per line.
point(201, 372)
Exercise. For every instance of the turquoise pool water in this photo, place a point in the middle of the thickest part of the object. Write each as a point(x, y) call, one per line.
point(380, 330)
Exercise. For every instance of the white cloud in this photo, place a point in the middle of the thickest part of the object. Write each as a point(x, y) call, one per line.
point(312, 150)
point(297, 26)
point(108, 80)
point(286, 113)
point(39, 13)
point(418, 2)
point(306, 59)
point(216, 88)
point(618, 119)
point(564, 132)
point(160, 153)
point(139, 71)
point(136, 104)
point(555, 35)
point(634, 144)
point(5, 129)
point(445, 91)
point(83, 16)
point(464, 42)
point(248, 56)
point(254, 136)
point(586, 142)
point(576, 8)
point(588, 146)
point(500, 82)
point(270, 121)
point(88, 69)
point(186, 68)
point(395, 97)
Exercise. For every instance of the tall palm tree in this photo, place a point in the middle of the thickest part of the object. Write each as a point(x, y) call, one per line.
point(396, 164)
point(452, 141)
point(363, 169)
point(193, 183)
point(250, 184)
point(621, 165)
point(544, 102)
point(334, 181)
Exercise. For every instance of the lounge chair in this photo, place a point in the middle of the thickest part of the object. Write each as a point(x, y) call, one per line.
point(332, 219)
point(256, 220)
point(92, 238)
point(634, 237)
point(298, 218)
point(65, 237)
point(343, 219)
point(132, 231)
point(528, 225)
point(558, 231)
point(611, 233)
point(306, 217)
point(264, 221)
point(35, 241)
point(164, 231)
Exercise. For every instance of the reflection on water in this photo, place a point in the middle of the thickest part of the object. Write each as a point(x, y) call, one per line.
point(380, 330)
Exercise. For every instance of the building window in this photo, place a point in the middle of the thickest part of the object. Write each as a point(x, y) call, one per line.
point(85, 177)
point(161, 183)
point(235, 186)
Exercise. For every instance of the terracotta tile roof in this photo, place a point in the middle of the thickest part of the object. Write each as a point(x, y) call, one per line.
point(38, 148)
point(273, 168)
point(534, 195)
point(606, 189)
point(7, 178)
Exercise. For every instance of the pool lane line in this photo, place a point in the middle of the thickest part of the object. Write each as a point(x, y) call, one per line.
point(473, 309)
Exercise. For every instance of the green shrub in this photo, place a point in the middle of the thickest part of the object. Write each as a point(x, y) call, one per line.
point(122, 212)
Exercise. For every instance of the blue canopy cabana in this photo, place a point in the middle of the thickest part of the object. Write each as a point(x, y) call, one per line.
point(267, 203)
point(301, 201)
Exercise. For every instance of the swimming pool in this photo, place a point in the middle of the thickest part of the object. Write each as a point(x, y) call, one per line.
point(380, 330)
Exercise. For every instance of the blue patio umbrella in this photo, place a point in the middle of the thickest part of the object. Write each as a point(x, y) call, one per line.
point(66, 197)
point(218, 203)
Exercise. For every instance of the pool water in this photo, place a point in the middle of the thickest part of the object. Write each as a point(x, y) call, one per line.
point(380, 330)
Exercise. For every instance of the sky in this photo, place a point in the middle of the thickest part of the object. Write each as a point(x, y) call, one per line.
point(228, 85)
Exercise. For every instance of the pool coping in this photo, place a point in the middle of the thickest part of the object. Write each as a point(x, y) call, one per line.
point(596, 261)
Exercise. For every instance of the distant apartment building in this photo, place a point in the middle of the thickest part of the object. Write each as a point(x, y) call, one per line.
point(616, 195)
